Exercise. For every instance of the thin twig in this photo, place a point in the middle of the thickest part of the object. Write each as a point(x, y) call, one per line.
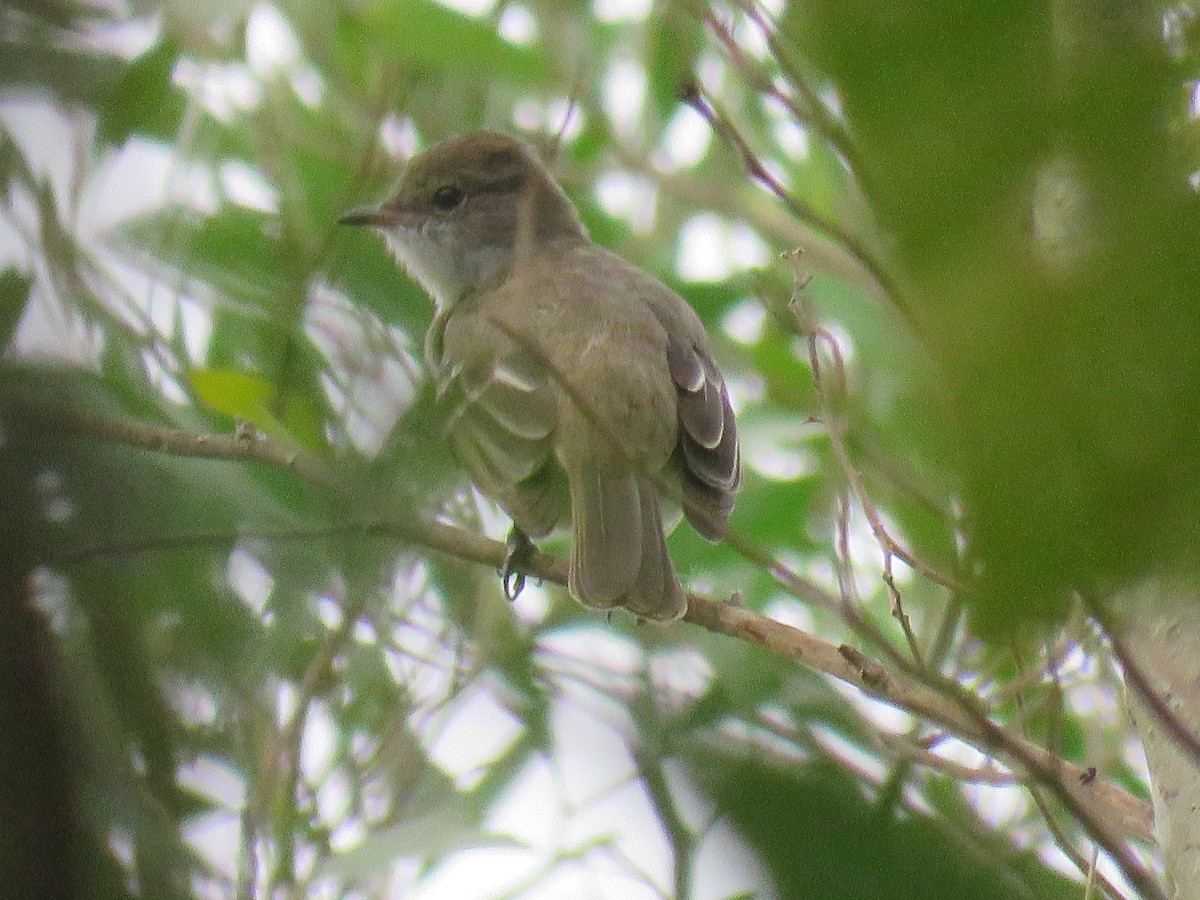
point(1028, 678)
point(1098, 805)
point(824, 122)
point(808, 591)
point(282, 753)
point(172, 441)
point(721, 124)
point(813, 114)
point(817, 337)
point(678, 833)
point(1061, 839)
point(1063, 842)
point(915, 753)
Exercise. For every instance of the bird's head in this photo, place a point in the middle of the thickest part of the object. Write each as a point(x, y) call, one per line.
point(466, 209)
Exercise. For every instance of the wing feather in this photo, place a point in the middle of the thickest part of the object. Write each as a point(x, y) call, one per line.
point(708, 440)
point(501, 422)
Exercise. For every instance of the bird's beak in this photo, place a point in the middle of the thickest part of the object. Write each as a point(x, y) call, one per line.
point(375, 216)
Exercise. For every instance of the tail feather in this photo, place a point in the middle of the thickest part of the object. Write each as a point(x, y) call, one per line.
point(656, 593)
point(606, 548)
point(618, 553)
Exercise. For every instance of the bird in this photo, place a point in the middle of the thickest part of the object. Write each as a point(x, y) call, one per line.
point(578, 390)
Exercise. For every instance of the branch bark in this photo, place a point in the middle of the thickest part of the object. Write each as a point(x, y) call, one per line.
point(1159, 647)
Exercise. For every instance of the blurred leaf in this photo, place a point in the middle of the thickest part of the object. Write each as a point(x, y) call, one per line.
point(66, 74)
point(152, 496)
point(240, 395)
point(776, 514)
point(1132, 781)
point(909, 858)
point(973, 71)
point(718, 567)
point(14, 294)
point(58, 242)
point(322, 181)
point(676, 41)
point(13, 164)
point(61, 14)
point(366, 272)
point(143, 99)
point(606, 230)
point(233, 393)
point(423, 34)
point(748, 680)
point(820, 177)
point(245, 338)
point(711, 299)
point(238, 251)
point(1035, 249)
point(303, 404)
point(788, 380)
point(437, 834)
point(438, 820)
point(1054, 725)
point(132, 797)
point(350, 47)
point(302, 422)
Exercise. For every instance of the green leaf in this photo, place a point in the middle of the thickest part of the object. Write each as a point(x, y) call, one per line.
point(362, 268)
point(676, 41)
point(321, 181)
point(428, 36)
point(302, 421)
point(144, 99)
point(788, 379)
point(912, 857)
point(237, 394)
point(12, 162)
point(711, 299)
point(775, 514)
point(14, 294)
point(240, 395)
point(350, 48)
point(70, 74)
point(237, 251)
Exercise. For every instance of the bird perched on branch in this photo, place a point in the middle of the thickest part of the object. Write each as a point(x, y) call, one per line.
point(579, 389)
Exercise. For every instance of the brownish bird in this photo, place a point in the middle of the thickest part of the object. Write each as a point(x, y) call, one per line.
point(579, 389)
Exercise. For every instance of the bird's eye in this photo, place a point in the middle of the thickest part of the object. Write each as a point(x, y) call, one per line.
point(447, 197)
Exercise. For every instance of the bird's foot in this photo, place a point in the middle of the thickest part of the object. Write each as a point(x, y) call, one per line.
point(517, 556)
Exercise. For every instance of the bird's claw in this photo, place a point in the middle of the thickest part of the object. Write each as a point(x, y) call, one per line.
point(517, 556)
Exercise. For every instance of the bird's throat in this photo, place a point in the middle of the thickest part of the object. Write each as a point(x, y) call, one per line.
point(445, 268)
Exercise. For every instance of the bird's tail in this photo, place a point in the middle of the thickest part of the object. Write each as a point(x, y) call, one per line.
point(618, 552)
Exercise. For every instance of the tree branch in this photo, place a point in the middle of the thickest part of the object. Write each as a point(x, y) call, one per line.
point(1108, 812)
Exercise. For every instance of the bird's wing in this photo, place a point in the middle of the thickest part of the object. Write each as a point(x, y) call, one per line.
point(501, 413)
point(708, 443)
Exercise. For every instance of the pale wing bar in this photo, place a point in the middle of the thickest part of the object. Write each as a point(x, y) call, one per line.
point(707, 438)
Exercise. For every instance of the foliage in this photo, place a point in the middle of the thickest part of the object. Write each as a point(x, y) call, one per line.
point(977, 391)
